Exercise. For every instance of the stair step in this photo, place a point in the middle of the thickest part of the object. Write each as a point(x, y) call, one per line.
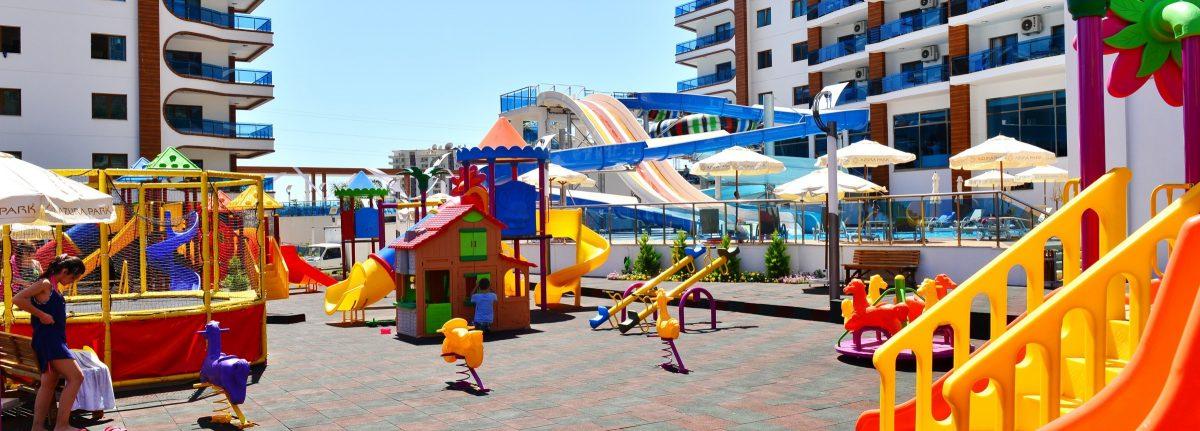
point(1029, 410)
point(1075, 370)
point(1120, 341)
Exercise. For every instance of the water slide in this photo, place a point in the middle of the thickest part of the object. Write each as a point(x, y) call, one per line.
point(299, 271)
point(162, 255)
point(369, 281)
point(591, 251)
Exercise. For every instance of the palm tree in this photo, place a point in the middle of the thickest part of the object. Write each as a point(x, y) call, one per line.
point(423, 177)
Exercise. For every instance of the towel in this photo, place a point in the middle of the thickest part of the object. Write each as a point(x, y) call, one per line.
point(96, 393)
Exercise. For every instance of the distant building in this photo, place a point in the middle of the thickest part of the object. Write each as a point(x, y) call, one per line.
point(404, 159)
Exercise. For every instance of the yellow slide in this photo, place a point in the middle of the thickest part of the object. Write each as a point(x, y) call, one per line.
point(275, 278)
point(126, 235)
point(590, 252)
point(369, 281)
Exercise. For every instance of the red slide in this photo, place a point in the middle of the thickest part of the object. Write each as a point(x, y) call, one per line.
point(299, 271)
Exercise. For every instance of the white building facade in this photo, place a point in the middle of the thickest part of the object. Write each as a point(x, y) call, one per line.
point(87, 83)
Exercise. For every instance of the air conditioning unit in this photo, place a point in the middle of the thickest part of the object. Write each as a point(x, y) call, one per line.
point(861, 74)
point(929, 4)
point(1031, 24)
point(860, 27)
point(930, 53)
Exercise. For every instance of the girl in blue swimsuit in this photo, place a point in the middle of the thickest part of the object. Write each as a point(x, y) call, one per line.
point(48, 315)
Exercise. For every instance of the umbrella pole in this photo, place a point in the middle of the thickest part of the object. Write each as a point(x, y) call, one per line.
point(737, 196)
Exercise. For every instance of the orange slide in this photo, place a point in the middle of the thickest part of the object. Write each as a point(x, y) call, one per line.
point(300, 272)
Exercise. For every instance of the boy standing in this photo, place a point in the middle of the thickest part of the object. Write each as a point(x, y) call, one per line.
point(485, 302)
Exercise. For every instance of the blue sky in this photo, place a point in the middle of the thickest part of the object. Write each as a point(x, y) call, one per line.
point(356, 81)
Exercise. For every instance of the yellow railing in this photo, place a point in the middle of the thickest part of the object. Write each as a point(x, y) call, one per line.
point(1070, 190)
point(1128, 264)
point(1107, 197)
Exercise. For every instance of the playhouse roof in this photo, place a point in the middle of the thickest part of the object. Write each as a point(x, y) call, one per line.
point(361, 186)
point(433, 225)
point(171, 158)
point(248, 200)
point(502, 142)
point(141, 163)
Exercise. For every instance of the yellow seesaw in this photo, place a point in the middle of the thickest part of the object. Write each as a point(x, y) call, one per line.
point(723, 257)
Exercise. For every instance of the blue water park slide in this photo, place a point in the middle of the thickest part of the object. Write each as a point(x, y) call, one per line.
point(163, 254)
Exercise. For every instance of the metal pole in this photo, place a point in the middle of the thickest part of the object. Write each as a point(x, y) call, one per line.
point(664, 225)
point(1091, 116)
point(8, 278)
point(105, 268)
point(833, 223)
point(1191, 108)
point(543, 222)
point(143, 242)
point(996, 212)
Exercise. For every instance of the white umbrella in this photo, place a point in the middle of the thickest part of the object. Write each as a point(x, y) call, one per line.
point(1045, 174)
point(560, 176)
point(868, 154)
point(31, 232)
point(994, 179)
point(33, 195)
point(815, 184)
point(736, 161)
point(1001, 152)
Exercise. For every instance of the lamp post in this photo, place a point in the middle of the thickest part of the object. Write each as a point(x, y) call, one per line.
point(832, 220)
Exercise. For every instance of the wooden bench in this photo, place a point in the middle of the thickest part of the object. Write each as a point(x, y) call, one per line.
point(890, 262)
point(18, 359)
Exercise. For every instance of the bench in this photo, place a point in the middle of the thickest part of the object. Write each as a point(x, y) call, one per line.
point(18, 359)
point(890, 262)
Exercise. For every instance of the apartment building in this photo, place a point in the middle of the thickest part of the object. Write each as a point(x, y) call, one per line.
point(99, 83)
point(425, 158)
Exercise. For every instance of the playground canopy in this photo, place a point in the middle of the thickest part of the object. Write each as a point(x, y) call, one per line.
point(33, 195)
point(248, 200)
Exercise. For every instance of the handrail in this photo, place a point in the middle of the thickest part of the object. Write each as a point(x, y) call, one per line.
point(693, 6)
point(1070, 190)
point(1026, 50)
point(220, 73)
point(915, 78)
point(826, 7)
point(837, 50)
point(705, 80)
point(1169, 190)
point(929, 18)
point(1107, 197)
point(1094, 293)
point(188, 12)
point(705, 41)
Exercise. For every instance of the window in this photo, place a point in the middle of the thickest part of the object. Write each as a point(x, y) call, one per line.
point(911, 13)
point(1002, 41)
point(107, 161)
point(109, 106)
point(799, 8)
point(108, 47)
point(764, 59)
point(185, 117)
point(184, 62)
point(724, 69)
point(472, 244)
point(912, 66)
point(10, 101)
point(847, 39)
point(795, 147)
point(925, 134)
point(1038, 119)
point(762, 98)
point(332, 253)
point(764, 17)
point(10, 40)
point(801, 96)
point(723, 28)
point(800, 51)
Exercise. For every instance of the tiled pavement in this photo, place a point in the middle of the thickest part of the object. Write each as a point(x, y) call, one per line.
point(754, 372)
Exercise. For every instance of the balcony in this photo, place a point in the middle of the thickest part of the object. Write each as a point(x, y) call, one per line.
point(219, 73)
point(216, 18)
point(910, 79)
point(826, 7)
point(704, 41)
point(706, 80)
point(1031, 49)
point(930, 18)
point(223, 129)
point(854, 92)
point(690, 7)
point(837, 50)
point(961, 7)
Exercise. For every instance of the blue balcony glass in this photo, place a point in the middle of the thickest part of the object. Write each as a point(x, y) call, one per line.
point(826, 7)
point(930, 18)
point(1031, 49)
point(959, 7)
point(518, 99)
point(223, 129)
point(840, 49)
point(902, 80)
point(704, 41)
point(855, 92)
point(706, 80)
point(219, 73)
point(192, 12)
point(690, 7)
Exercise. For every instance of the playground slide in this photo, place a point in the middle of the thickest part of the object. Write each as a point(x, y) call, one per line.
point(125, 236)
point(162, 255)
point(591, 251)
point(299, 271)
point(369, 281)
point(275, 278)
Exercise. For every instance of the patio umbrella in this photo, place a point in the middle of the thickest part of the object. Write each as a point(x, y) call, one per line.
point(1045, 174)
point(815, 184)
point(999, 152)
point(736, 161)
point(994, 179)
point(868, 154)
point(33, 195)
point(560, 176)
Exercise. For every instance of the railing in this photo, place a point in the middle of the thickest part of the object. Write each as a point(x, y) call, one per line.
point(527, 96)
point(839, 49)
point(929, 18)
point(959, 7)
point(224, 129)
point(690, 7)
point(1032, 49)
point(1107, 197)
point(1100, 294)
point(219, 73)
point(705, 80)
point(915, 78)
point(220, 19)
point(704, 41)
point(827, 7)
point(854, 92)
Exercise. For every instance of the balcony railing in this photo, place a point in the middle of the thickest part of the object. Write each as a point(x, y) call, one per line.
point(1032, 49)
point(929, 18)
point(704, 41)
point(826, 7)
point(224, 129)
point(855, 92)
point(915, 78)
point(690, 7)
point(706, 80)
point(959, 7)
point(220, 19)
point(527, 96)
point(840, 49)
point(219, 73)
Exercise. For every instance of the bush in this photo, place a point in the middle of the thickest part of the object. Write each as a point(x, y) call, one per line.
point(647, 261)
point(777, 261)
point(677, 254)
point(235, 277)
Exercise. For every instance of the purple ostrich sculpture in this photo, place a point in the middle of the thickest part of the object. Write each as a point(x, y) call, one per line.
point(226, 374)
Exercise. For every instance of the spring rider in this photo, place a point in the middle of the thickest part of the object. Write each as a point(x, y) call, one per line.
point(226, 374)
point(668, 330)
point(463, 343)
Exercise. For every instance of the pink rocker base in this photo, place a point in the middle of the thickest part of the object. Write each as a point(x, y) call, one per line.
point(858, 346)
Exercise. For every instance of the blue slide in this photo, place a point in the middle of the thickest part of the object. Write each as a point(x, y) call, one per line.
point(162, 255)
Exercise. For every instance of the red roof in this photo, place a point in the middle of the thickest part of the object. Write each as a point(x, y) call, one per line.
point(435, 224)
point(517, 261)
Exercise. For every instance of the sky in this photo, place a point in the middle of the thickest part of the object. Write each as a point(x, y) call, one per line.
point(354, 82)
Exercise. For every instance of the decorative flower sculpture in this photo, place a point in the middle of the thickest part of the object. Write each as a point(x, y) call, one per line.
point(1145, 46)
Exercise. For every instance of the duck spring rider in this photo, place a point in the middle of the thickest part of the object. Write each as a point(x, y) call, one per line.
point(226, 374)
point(668, 330)
point(464, 343)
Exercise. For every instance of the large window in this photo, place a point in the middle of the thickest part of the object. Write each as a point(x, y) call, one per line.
point(801, 96)
point(10, 101)
point(1037, 119)
point(108, 47)
point(188, 118)
point(10, 40)
point(764, 17)
point(764, 59)
point(795, 147)
point(925, 134)
point(800, 51)
point(799, 8)
point(107, 161)
point(109, 106)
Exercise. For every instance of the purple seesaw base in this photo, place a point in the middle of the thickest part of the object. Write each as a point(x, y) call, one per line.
point(858, 347)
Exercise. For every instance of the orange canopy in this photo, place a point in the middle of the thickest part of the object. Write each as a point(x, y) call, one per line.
point(502, 135)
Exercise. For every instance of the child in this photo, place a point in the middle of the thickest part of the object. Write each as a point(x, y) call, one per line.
point(485, 302)
point(48, 315)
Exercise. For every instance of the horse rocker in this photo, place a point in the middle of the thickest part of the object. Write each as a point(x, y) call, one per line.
point(226, 374)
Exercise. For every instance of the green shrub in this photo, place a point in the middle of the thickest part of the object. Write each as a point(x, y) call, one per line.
point(235, 277)
point(777, 261)
point(678, 248)
point(647, 261)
